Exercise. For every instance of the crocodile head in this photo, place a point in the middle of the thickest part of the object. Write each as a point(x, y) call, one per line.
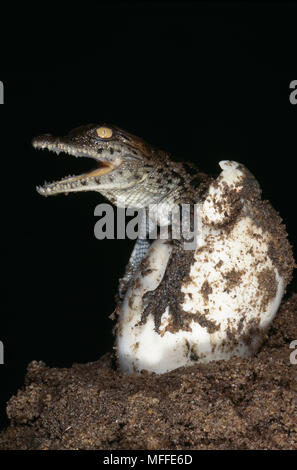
point(123, 160)
point(128, 171)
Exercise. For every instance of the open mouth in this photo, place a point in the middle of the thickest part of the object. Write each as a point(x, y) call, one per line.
point(76, 182)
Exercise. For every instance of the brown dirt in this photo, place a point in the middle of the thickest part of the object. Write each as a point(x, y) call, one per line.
point(237, 404)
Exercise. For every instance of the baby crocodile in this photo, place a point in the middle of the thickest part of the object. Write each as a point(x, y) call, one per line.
point(179, 306)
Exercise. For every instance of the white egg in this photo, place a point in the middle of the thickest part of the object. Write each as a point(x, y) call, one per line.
point(228, 298)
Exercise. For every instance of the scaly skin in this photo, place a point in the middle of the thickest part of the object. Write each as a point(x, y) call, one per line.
point(129, 173)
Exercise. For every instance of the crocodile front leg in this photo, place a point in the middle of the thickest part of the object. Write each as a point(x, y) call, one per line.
point(139, 251)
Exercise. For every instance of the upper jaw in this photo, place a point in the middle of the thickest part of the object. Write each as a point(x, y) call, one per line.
point(56, 144)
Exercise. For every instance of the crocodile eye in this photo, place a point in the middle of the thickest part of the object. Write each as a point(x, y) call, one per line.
point(104, 132)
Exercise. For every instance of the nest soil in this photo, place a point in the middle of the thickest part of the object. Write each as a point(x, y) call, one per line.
point(246, 403)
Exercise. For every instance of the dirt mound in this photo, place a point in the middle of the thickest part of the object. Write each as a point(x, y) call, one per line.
point(239, 404)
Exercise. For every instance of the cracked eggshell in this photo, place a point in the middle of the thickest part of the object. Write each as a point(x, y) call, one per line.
point(224, 290)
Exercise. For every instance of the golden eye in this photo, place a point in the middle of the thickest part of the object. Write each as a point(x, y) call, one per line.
point(104, 132)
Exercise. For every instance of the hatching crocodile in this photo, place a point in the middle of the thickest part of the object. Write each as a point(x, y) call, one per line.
point(178, 306)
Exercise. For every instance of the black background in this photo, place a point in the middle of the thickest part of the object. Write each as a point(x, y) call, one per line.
point(204, 81)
